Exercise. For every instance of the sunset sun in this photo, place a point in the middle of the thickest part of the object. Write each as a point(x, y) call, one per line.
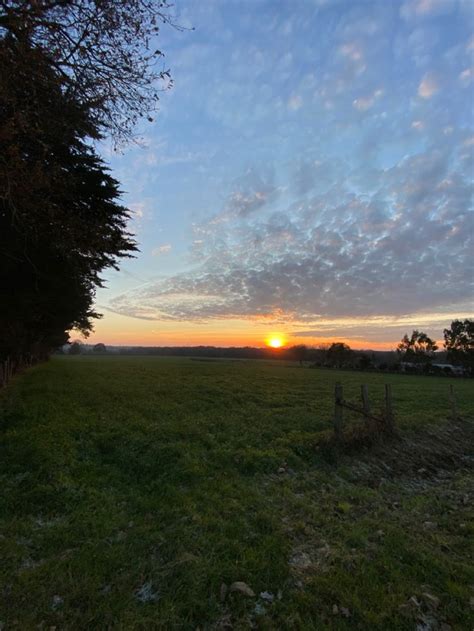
point(275, 341)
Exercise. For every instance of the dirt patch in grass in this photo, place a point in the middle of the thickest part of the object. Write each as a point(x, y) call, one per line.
point(419, 457)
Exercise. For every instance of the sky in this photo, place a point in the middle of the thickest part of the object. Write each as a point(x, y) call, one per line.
point(309, 174)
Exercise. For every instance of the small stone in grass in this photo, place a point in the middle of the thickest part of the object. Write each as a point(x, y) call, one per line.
point(57, 602)
point(268, 596)
point(145, 593)
point(345, 612)
point(411, 607)
point(430, 525)
point(242, 588)
point(335, 610)
point(281, 470)
point(300, 560)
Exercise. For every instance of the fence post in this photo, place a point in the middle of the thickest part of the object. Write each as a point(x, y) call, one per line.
point(364, 391)
point(338, 410)
point(452, 400)
point(389, 421)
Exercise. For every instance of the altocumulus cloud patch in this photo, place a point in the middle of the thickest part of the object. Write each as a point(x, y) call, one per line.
point(398, 243)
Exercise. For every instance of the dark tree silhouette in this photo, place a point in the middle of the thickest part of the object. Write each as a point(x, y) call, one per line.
point(459, 343)
point(75, 348)
point(60, 223)
point(70, 71)
point(103, 50)
point(298, 352)
point(99, 348)
point(339, 354)
point(418, 348)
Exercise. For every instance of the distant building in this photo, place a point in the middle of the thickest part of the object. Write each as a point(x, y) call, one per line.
point(447, 368)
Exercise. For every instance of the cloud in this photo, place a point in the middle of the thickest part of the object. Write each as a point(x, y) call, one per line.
point(295, 102)
point(416, 9)
point(359, 198)
point(352, 51)
point(402, 248)
point(371, 328)
point(137, 210)
point(428, 87)
point(243, 204)
point(466, 76)
point(162, 249)
point(253, 191)
point(365, 103)
point(353, 54)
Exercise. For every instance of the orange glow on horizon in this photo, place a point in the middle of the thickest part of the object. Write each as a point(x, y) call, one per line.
point(120, 330)
point(275, 341)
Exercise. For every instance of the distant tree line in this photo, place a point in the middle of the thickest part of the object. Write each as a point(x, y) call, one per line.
point(71, 71)
point(416, 353)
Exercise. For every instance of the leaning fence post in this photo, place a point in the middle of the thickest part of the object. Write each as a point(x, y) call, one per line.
point(338, 410)
point(452, 399)
point(389, 422)
point(364, 391)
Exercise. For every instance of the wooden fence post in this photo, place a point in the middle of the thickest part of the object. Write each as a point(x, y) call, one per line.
point(338, 410)
point(364, 391)
point(389, 421)
point(452, 400)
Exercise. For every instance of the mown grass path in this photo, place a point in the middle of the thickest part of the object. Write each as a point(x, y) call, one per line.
point(134, 488)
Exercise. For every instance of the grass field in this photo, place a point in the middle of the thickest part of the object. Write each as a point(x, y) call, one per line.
point(136, 491)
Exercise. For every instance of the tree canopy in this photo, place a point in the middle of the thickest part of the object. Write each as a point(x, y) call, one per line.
point(103, 50)
point(418, 348)
point(70, 72)
point(339, 354)
point(459, 343)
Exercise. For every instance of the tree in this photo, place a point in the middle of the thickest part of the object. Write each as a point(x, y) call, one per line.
point(459, 343)
point(70, 71)
point(366, 361)
point(102, 49)
point(418, 348)
point(75, 348)
point(299, 353)
point(339, 354)
point(60, 223)
point(99, 348)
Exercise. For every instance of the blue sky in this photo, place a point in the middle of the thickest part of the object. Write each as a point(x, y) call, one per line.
point(310, 172)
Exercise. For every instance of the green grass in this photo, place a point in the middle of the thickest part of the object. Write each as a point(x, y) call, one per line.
point(133, 488)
